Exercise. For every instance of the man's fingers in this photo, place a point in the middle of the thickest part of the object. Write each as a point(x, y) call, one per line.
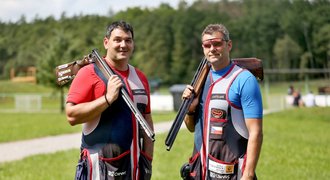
point(187, 92)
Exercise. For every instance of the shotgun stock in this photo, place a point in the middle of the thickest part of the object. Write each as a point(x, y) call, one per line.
point(66, 72)
point(254, 65)
point(107, 71)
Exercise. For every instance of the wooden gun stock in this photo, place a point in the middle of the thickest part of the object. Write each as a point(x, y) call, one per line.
point(254, 65)
point(66, 72)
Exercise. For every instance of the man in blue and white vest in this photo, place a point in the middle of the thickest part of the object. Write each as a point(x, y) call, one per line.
point(226, 117)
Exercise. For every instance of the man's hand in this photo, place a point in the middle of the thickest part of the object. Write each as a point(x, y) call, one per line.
point(113, 88)
point(189, 118)
point(187, 93)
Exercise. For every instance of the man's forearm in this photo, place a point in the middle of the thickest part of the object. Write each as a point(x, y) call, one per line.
point(84, 112)
point(190, 122)
point(253, 152)
point(148, 143)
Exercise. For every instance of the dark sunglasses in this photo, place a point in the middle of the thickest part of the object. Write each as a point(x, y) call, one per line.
point(216, 43)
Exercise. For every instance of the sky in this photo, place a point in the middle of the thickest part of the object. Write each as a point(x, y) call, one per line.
point(12, 10)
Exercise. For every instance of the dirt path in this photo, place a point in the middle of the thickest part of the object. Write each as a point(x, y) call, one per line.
point(18, 150)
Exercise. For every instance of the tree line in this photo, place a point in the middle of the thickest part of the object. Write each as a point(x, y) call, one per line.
point(284, 34)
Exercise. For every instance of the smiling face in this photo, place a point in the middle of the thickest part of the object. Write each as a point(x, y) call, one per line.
point(119, 46)
point(216, 49)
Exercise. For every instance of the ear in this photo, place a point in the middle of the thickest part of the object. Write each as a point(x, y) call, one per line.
point(229, 45)
point(105, 42)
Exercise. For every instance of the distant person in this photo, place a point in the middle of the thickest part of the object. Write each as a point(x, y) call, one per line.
point(296, 98)
point(227, 117)
point(112, 141)
point(290, 90)
point(310, 99)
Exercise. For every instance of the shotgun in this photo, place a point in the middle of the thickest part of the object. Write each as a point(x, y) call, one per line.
point(197, 82)
point(254, 65)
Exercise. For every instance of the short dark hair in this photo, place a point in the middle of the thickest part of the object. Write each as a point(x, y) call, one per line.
point(119, 24)
point(211, 28)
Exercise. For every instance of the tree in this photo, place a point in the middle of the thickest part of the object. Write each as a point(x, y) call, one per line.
point(55, 53)
point(154, 45)
point(322, 46)
point(287, 53)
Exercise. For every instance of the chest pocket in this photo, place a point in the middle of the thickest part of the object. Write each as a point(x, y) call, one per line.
point(140, 99)
point(140, 96)
point(218, 116)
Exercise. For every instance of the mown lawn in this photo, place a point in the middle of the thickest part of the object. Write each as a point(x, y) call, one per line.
point(22, 126)
point(296, 146)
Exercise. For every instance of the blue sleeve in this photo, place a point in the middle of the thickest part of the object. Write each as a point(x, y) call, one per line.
point(245, 93)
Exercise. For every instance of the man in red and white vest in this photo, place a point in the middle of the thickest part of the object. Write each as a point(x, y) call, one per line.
point(113, 146)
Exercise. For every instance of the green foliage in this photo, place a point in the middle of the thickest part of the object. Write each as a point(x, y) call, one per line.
point(287, 52)
point(168, 40)
point(322, 45)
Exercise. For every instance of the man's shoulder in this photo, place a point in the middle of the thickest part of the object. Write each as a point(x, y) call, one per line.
point(246, 77)
point(139, 72)
point(246, 74)
point(86, 71)
point(87, 68)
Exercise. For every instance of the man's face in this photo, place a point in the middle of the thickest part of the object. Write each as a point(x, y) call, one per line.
point(119, 46)
point(215, 47)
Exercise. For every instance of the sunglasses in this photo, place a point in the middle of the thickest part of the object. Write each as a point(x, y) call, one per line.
point(216, 43)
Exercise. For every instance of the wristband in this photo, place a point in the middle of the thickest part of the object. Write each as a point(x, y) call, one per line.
point(105, 96)
point(190, 113)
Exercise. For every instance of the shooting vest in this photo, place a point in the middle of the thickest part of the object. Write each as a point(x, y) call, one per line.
point(221, 139)
point(114, 145)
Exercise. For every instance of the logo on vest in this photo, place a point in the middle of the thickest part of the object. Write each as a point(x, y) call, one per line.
point(218, 113)
point(219, 176)
point(218, 96)
point(114, 173)
point(139, 92)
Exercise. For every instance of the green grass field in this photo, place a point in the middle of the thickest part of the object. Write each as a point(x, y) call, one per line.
point(296, 146)
point(296, 141)
point(22, 126)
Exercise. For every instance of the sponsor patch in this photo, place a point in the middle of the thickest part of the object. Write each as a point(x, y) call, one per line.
point(115, 174)
point(220, 168)
point(218, 96)
point(216, 130)
point(218, 113)
point(139, 92)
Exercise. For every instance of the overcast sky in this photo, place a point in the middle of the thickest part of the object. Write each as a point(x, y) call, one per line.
point(12, 10)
